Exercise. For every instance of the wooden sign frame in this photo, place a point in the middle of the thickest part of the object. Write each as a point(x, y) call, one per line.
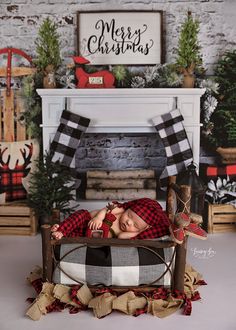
point(121, 37)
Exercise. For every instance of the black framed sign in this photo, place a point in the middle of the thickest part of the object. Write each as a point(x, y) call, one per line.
point(115, 37)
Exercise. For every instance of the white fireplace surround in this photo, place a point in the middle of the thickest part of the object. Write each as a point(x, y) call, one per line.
point(122, 110)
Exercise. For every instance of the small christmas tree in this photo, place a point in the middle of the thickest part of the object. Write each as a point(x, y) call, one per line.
point(48, 46)
point(51, 187)
point(189, 58)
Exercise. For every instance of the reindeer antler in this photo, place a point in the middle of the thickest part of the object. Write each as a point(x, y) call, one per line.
point(1, 157)
point(27, 159)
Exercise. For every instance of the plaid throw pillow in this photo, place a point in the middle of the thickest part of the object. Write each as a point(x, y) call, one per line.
point(16, 163)
point(178, 151)
point(67, 137)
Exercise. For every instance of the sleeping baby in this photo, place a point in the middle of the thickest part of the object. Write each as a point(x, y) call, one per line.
point(141, 218)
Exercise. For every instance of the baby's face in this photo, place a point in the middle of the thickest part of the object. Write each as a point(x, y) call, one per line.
point(131, 222)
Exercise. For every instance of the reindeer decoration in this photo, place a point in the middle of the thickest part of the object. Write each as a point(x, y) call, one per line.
point(11, 178)
point(100, 79)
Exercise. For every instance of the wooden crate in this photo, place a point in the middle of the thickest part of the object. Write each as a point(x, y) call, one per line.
point(221, 218)
point(17, 219)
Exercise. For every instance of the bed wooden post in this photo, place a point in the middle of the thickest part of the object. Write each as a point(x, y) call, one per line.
point(180, 262)
point(47, 253)
point(181, 249)
point(170, 198)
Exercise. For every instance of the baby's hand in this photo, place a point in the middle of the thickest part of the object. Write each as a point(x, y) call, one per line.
point(54, 227)
point(95, 223)
point(57, 235)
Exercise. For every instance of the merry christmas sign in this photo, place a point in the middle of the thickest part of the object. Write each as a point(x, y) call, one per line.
point(120, 37)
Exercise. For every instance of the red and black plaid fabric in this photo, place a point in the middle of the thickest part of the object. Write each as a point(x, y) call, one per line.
point(163, 293)
point(221, 171)
point(151, 212)
point(11, 182)
point(56, 306)
point(37, 284)
point(76, 224)
point(75, 299)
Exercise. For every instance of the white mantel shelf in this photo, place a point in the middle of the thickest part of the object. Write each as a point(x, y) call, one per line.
point(127, 92)
point(128, 110)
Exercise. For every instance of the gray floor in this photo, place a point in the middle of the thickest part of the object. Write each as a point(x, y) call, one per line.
point(214, 258)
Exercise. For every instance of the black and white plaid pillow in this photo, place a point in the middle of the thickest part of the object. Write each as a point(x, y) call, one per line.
point(122, 266)
point(178, 151)
point(67, 137)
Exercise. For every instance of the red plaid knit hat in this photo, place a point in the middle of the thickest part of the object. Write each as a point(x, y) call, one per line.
point(151, 212)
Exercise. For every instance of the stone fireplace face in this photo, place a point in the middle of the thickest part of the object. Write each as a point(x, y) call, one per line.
point(114, 151)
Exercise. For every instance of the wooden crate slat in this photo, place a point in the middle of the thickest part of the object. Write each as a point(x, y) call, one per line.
point(15, 231)
point(224, 218)
point(222, 208)
point(223, 228)
point(221, 218)
point(15, 221)
point(210, 219)
point(14, 210)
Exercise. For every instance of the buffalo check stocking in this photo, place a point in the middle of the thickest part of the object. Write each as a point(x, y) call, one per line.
point(178, 151)
point(67, 137)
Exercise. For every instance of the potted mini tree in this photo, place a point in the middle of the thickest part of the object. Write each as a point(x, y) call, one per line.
point(189, 59)
point(51, 188)
point(223, 135)
point(48, 51)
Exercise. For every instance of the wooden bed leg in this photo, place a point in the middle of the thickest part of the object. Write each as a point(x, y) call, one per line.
point(181, 249)
point(47, 253)
point(180, 262)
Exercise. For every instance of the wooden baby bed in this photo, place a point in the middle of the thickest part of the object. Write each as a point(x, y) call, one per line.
point(177, 279)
